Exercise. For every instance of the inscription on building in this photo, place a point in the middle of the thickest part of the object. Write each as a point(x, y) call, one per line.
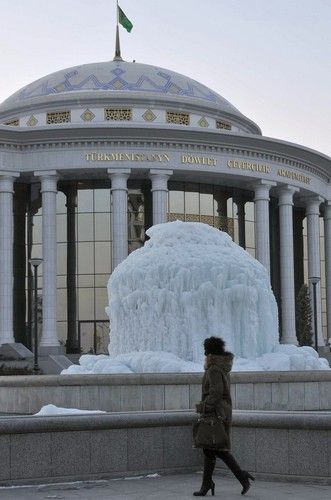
point(210, 161)
point(282, 172)
point(130, 157)
point(190, 159)
point(246, 165)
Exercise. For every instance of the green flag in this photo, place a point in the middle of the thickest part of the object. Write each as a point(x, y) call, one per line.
point(123, 20)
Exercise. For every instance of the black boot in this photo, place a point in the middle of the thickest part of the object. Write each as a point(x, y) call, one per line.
point(244, 480)
point(242, 476)
point(207, 480)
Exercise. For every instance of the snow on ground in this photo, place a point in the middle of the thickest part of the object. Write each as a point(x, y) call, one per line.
point(57, 410)
point(188, 282)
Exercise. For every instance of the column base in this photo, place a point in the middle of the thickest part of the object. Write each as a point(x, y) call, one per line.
point(323, 349)
point(46, 350)
point(289, 341)
point(14, 351)
point(53, 364)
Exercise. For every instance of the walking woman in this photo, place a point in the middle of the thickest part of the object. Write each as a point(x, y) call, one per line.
point(216, 401)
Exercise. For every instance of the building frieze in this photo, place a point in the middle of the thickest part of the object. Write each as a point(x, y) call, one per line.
point(162, 146)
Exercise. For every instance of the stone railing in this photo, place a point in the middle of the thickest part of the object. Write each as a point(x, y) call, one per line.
point(70, 448)
point(145, 392)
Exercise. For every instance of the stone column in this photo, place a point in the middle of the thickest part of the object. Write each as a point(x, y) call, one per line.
point(285, 203)
point(119, 215)
point(49, 341)
point(314, 262)
point(72, 338)
point(6, 256)
point(159, 180)
point(221, 198)
point(298, 217)
point(262, 237)
point(19, 255)
point(240, 203)
point(327, 243)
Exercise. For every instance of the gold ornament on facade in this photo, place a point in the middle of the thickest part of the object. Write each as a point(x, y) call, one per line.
point(87, 116)
point(178, 118)
point(56, 117)
point(118, 85)
point(32, 121)
point(149, 116)
point(174, 89)
point(13, 123)
point(61, 87)
point(118, 114)
point(203, 122)
point(223, 125)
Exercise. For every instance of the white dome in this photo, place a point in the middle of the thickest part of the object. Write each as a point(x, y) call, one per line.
point(113, 79)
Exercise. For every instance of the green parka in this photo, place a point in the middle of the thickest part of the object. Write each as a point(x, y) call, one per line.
point(216, 395)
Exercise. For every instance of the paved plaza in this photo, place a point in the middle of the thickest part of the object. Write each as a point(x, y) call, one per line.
point(170, 487)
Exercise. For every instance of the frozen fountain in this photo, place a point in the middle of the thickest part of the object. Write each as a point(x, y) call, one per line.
point(188, 282)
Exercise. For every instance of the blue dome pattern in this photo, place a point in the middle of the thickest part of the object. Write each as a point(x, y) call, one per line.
point(117, 77)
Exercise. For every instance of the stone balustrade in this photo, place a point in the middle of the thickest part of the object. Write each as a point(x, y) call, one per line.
point(69, 448)
point(295, 391)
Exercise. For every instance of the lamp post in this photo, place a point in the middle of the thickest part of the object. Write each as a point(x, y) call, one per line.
point(35, 263)
point(314, 280)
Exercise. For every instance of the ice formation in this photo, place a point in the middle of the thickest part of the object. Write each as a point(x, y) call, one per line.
point(188, 282)
point(49, 410)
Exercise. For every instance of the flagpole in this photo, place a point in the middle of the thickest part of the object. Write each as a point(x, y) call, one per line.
point(117, 46)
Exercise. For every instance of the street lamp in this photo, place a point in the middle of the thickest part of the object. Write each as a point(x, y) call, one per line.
point(314, 280)
point(35, 263)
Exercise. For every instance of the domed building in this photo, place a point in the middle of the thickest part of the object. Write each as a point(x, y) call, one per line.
point(91, 156)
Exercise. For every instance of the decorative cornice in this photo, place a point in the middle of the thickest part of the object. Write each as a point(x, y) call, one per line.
point(210, 146)
point(133, 99)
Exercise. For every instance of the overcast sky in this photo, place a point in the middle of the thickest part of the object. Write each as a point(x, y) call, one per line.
point(271, 59)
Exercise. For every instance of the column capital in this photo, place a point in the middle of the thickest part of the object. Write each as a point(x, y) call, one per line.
point(118, 171)
point(160, 179)
point(48, 180)
point(327, 209)
point(239, 200)
point(262, 188)
point(285, 194)
point(161, 172)
point(46, 173)
point(9, 174)
point(7, 181)
point(119, 178)
point(312, 204)
point(71, 196)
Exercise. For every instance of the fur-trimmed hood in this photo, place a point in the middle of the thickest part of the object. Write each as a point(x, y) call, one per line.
point(222, 362)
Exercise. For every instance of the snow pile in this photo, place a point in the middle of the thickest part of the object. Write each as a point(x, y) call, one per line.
point(188, 282)
point(57, 410)
point(285, 358)
point(133, 362)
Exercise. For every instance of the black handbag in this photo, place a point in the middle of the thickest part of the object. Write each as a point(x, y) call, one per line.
point(209, 432)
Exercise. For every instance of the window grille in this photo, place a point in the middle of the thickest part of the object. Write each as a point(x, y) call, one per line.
point(13, 123)
point(223, 223)
point(223, 125)
point(178, 118)
point(58, 117)
point(118, 114)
